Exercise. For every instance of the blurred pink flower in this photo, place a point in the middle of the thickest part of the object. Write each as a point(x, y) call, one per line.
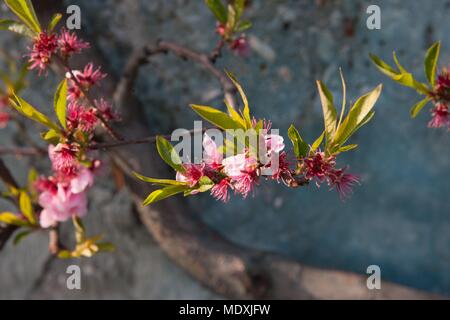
point(240, 46)
point(220, 190)
point(211, 155)
point(69, 43)
point(44, 46)
point(440, 116)
point(61, 205)
point(63, 158)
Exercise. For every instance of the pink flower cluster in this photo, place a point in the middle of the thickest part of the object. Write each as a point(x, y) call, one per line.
point(239, 173)
point(441, 97)
point(63, 195)
point(45, 45)
point(321, 168)
point(239, 45)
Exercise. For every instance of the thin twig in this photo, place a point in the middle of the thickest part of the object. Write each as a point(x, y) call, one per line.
point(217, 52)
point(22, 152)
point(141, 57)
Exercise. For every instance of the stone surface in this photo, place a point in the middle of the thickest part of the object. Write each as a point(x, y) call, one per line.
point(399, 218)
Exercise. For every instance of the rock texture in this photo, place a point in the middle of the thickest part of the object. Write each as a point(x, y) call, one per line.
point(399, 217)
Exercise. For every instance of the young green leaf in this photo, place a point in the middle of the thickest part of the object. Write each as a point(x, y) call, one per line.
point(419, 106)
point(347, 148)
point(168, 153)
point(54, 21)
point(60, 103)
point(357, 116)
point(243, 25)
point(239, 6)
point(13, 219)
point(318, 142)
point(397, 63)
point(164, 193)
point(329, 111)
point(246, 111)
point(218, 9)
point(234, 114)
point(216, 117)
point(26, 207)
point(16, 27)
point(431, 61)
point(51, 136)
point(383, 66)
point(25, 11)
point(301, 148)
point(29, 111)
point(161, 182)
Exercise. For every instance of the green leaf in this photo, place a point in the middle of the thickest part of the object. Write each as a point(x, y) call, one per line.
point(164, 193)
point(205, 184)
point(408, 80)
point(356, 116)
point(51, 137)
point(329, 111)
point(239, 6)
point(13, 219)
point(26, 207)
point(64, 254)
point(161, 182)
point(216, 117)
point(347, 148)
point(16, 27)
point(106, 247)
point(244, 25)
point(431, 61)
point(60, 103)
point(234, 114)
point(397, 63)
point(25, 11)
point(218, 9)
point(318, 142)
point(301, 148)
point(169, 154)
point(246, 112)
point(419, 106)
point(54, 21)
point(383, 66)
point(30, 112)
point(231, 17)
point(20, 236)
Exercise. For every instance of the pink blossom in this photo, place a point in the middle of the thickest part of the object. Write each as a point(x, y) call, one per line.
point(61, 205)
point(88, 77)
point(283, 171)
point(240, 46)
point(318, 166)
point(83, 180)
point(440, 117)
point(79, 117)
point(220, 190)
point(274, 143)
point(70, 44)
point(245, 183)
point(106, 110)
point(192, 174)
point(343, 182)
point(63, 158)
point(211, 155)
point(44, 46)
point(220, 29)
point(235, 165)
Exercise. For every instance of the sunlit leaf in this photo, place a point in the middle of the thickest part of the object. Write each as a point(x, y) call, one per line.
point(419, 106)
point(60, 103)
point(217, 117)
point(161, 182)
point(431, 61)
point(218, 9)
point(164, 193)
point(54, 21)
point(16, 27)
point(329, 111)
point(25, 11)
point(168, 153)
point(26, 207)
point(301, 148)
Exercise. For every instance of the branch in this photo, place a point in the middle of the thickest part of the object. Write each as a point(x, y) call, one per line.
point(141, 57)
point(20, 152)
point(6, 176)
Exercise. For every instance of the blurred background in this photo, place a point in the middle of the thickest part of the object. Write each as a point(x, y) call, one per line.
point(399, 218)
